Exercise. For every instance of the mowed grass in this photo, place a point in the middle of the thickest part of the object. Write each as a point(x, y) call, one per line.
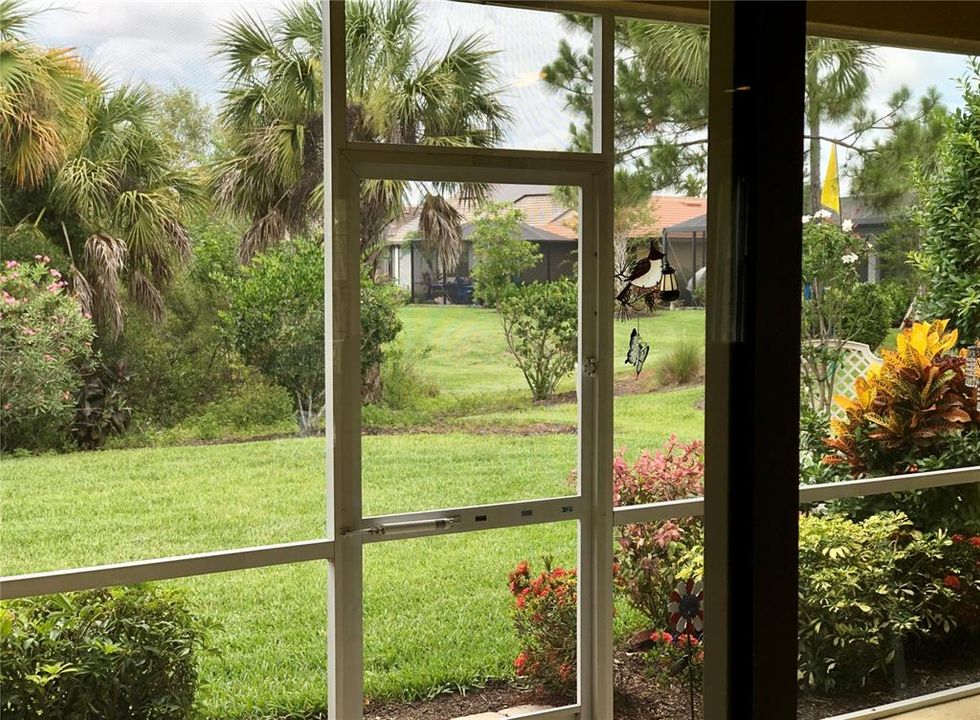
point(469, 351)
point(436, 609)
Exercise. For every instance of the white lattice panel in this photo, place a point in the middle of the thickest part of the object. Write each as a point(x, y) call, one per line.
point(855, 359)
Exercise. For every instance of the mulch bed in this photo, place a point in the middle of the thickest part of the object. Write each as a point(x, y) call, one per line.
point(638, 697)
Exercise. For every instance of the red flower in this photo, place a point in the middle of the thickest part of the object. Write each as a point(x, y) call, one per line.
point(952, 582)
point(520, 662)
point(957, 538)
point(975, 541)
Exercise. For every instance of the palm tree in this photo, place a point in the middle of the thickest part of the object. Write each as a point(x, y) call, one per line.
point(398, 92)
point(41, 101)
point(836, 88)
point(85, 164)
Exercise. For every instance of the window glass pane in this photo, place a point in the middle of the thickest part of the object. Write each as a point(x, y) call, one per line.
point(660, 229)
point(480, 611)
point(466, 74)
point(164, 336)
point(886, 384)
point(469, 397)
point(240, 644)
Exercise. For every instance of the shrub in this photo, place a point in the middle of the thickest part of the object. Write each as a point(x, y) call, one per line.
point(253, 406)
point(961, 574)
point(541, 327)
point(864, 589)
point(500, 251)
point(672, 659)
point(404, 386)
point(949, 254)
point(866, 314)
point(44, 339)
point(103, 409)
point(649, 556)
point(380, 325)
point(127, 653)
point(911, 405)
point(830, 261)
point(683, 364)
point(545, 619)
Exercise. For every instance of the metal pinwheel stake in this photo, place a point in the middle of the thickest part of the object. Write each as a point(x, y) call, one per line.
point(687, 618)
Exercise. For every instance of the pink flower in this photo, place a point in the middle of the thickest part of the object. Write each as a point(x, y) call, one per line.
point(66, 395)
point(30, 332)
point(54, 273)
point(7, 406)
point(12, 264)
point(48, 358)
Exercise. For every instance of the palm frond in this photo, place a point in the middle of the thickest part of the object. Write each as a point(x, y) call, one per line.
point(105, 260)
point(264, 233)
point(440, 225)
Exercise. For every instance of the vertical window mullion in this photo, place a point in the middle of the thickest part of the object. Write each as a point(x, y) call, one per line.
point(342, 262)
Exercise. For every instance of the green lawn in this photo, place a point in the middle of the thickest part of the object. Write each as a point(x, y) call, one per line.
point(436, 609)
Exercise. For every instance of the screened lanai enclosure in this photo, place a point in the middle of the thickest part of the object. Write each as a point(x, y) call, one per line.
point(370, 560)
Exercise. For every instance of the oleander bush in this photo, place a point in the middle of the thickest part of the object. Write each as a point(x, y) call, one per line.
point(120, 654)
point(44, 340)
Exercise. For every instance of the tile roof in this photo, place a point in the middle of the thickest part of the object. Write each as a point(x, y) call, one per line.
point(542, 210)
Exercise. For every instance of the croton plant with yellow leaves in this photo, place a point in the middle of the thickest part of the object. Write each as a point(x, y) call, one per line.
point(912, 401)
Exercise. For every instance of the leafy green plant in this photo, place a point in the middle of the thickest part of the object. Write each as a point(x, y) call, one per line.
point(866, 314)
point(683, 364)
point(545, 619)
point(949, 252)
point(501, 253)
point(541, 327)
point(44, 339)
point(103, 409)
point(405, 387)
point(649, 556)
point(675, 659)
point(120, 654)
point(907, 407)
point(830, 261)
point(865, 588)
point(380, 325)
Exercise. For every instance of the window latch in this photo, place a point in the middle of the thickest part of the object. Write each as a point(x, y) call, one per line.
point(397, 528)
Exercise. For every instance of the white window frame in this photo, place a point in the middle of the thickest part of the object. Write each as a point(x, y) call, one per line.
point(591, 507)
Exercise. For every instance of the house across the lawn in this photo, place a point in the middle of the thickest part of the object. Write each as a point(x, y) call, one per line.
point(547, 223)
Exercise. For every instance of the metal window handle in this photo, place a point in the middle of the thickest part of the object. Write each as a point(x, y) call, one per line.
point(404, 527)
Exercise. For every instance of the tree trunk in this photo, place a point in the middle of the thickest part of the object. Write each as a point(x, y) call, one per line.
point(813, 122)
point(371, 385)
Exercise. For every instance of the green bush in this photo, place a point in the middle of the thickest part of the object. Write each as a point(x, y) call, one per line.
point(541, 327)
point(44, 339)
point(405, 387)
point(380, 325)
point(253, 406)
point(865, 589)
point(500, 251)
point(866, 314)
point(119, 654)
point(949, 254)
point(683, 364)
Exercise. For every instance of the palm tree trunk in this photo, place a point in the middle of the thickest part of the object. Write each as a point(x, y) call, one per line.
point(813, 122)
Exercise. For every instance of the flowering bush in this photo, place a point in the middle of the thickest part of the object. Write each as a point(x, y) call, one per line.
point(905, 407)
point(44, 338)
point(545, 619)
point(831, 255)
point(961, 575)
point(672, 658)
point(649, 555)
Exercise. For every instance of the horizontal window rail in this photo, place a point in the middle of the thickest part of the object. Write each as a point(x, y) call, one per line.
point(139, 571)
point(430, 523)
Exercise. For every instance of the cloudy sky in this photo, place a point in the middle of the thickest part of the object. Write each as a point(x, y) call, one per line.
point(171, 43)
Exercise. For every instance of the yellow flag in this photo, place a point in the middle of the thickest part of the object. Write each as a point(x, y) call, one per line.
point(830, 195)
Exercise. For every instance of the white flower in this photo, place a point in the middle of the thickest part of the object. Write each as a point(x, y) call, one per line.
point(847, 225)
point(823, 214)
point(807, 218)
point(849, 259)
